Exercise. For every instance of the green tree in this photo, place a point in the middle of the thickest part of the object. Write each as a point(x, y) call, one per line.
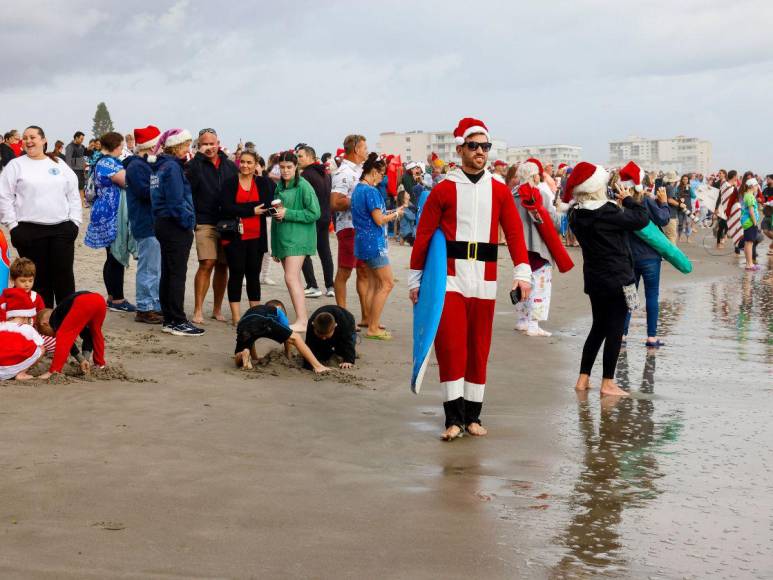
point(102, 121)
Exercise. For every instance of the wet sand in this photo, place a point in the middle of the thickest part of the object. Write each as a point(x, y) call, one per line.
point(178, 465)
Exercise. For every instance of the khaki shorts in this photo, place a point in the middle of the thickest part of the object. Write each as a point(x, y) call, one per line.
point(670, 230)
point(208, 245)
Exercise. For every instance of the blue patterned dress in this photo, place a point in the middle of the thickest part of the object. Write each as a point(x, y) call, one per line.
point(104, 212)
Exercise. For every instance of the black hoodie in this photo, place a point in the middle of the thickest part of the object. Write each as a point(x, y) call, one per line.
point(206, 181)
point(321, 182)
point(603, 236)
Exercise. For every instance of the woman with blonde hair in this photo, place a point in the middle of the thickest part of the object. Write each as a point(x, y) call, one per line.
point(602, 227)
point(174, 219)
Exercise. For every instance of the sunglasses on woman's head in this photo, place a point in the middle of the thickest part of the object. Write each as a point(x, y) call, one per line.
point(473, 146)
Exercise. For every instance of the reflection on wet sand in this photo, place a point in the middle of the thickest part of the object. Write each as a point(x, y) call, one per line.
point(620, 470)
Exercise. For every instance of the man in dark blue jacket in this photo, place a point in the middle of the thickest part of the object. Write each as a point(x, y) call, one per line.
point(141, 222)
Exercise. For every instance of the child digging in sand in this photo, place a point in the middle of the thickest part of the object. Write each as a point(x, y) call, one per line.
point(81, 313)
point(20, 344)
point(269, 320)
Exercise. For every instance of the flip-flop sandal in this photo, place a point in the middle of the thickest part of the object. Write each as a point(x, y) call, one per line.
point(382, 336)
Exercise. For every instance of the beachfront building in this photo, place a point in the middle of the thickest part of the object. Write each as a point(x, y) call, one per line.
point(681, 154)
point(555, 154)
point(417, 145)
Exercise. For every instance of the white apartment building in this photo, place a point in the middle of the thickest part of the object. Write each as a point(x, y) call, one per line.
point(681, 154)
point(555, 154)
point(417, 145)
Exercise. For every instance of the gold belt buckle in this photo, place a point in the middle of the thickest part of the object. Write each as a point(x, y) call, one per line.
point(472, 250)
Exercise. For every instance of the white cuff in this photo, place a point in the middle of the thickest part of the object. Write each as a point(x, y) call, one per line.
point(522, 273)
point(12, 225)
point(414, 279)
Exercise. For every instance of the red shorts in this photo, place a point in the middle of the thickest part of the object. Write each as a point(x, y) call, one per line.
point(346, 257)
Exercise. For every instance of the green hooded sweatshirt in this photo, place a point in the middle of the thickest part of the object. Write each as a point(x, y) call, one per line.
point(296, 234)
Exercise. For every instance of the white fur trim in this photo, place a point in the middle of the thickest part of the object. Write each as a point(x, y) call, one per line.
point(595, 182)
point(24, 313)
point(148, 144)
point(452, 390)
point(472, 130)
point(459, 140)
point(474, 392)
point(26, 330)
point(10, 371)
point(522, 273)
point(630, 183)
point(181, 137)
point(152, 159)
point(527, 170)
point(414, 279)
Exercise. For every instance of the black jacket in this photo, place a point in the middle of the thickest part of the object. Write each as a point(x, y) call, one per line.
point(342, 341)
point(229, 209)
point(206, 181)
point(322, 183)
point(6, 154)
point(603, 236)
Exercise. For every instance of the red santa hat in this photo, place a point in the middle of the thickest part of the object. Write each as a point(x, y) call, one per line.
point(146, 137)
point(21, 347)
point(631, 176)
point(340, 153)
point(18, 304)
point(469, 126)
point(585, 178)
point(537, 163)
point(500, 163)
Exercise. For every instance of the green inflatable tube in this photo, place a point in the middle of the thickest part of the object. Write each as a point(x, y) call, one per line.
point(657, 240)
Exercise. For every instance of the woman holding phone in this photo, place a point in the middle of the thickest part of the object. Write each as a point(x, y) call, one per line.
point(245, 199)
point(294, 213)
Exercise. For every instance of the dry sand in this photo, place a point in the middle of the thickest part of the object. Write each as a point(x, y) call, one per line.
point(175, 464)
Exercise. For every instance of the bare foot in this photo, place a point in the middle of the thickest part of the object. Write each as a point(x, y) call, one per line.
point(45, 376)
point(22, 376)
point(321, 369)
point(197, 318)
point(217, 316)
point(538, 332)
point(609, 388)
point(583, 383)
point(299, 326)
point(453, 432)
point(477, 430)
point(245, 359)
point(366, 325)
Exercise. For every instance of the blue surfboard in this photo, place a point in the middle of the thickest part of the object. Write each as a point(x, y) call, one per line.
point(427, 311)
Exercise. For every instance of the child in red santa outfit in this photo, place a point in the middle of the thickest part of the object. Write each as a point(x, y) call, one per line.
point(20, 344)
point(81, 313)
point(468, 206)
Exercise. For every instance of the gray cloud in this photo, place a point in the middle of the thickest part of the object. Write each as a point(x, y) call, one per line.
point(579, 71)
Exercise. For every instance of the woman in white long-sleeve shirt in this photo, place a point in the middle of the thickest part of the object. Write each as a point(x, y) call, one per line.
point(40, 204)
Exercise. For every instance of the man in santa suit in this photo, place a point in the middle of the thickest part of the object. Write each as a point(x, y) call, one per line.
point(468, 206)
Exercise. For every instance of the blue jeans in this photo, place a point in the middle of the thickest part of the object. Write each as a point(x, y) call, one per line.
point(148, 274)
point(649, 270)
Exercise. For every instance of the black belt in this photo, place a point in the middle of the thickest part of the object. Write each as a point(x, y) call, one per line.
point(481, 251)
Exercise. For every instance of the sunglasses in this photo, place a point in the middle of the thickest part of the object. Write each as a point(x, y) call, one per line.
point(473, 146)
point(207, 130)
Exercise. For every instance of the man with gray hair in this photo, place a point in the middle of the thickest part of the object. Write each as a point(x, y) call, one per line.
point(207, 171)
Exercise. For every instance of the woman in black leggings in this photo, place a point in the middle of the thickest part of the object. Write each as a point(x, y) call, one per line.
point(602, 228)
point(245, 199)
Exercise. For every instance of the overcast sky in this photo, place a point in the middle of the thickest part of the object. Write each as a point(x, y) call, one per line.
point(576, 71)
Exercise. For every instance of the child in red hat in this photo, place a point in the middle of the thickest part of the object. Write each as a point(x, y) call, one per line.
point(20, 344)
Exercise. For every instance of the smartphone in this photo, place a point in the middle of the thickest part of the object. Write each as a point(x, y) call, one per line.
point(272, 211)
point(515, 295)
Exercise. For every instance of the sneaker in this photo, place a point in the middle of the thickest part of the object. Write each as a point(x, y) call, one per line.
point(148, 317)
point(186, 329)
point(331, 293)
point(313, 292)
point(124, 306)
point(167, 327)
point(268, 282)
